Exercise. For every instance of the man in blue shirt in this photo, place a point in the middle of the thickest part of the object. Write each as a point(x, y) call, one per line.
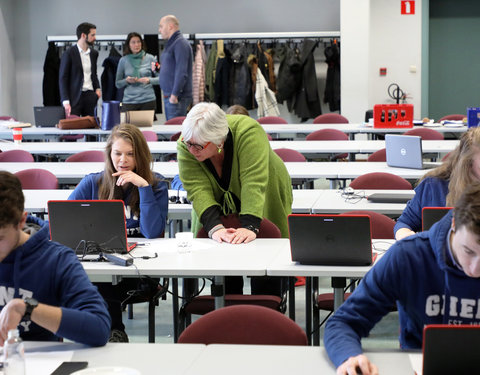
point(175, 69)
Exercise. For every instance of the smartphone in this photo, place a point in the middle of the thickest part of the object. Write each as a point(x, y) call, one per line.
point(67, 368)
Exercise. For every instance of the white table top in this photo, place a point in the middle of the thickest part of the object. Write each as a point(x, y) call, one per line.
point(306, 170)
point(333, 202)
point(283, 265)
point(207, 258)
point(167, 147)
point(216, 359)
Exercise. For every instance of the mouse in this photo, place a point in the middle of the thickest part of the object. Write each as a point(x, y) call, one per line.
point(348, 190)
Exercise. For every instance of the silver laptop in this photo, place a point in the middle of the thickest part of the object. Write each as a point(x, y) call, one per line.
point(48, 116)
point(405, 151)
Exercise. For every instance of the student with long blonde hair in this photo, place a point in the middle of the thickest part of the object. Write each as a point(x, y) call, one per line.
point(127, 176)
point(443, 185)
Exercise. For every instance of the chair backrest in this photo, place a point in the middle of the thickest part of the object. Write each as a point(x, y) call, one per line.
point(16, 156)
point(380, 180)
point(269, 137)
point(330, 118)
point(452, 118)
point(86, 156)
point(327, 135)
point(175, 121)
point(267, 228)
point(244, 324)
point(175, 136)
point(380, 155)
point(426, 134)
point(150, 136)
point(37, 179)
point(382, 225)
point(7, 118)
point(287, 154)
point(272, 120)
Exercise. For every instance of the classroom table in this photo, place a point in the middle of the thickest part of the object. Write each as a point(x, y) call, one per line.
point(74, 172)
point(276, 130)
point(168, 147)
point(210, 359)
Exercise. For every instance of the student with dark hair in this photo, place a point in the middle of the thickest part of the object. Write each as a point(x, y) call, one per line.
point(136, 73)
point(128, 176)
point(433, 277)
point(44, 289)
point(78, 80)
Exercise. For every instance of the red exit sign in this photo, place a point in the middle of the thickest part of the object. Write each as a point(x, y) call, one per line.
point(408, 7)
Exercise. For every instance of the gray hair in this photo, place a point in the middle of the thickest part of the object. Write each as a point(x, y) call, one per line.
point(206, 122)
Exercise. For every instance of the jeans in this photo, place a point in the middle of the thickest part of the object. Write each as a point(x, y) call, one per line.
point(176, 110)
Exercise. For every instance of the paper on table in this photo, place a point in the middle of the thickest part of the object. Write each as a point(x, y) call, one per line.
point(44, 363)
point(416, 360)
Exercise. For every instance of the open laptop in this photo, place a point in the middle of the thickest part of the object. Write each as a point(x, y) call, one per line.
point(48, 116)
point(140, 118)
point(430, 215)
point(323, 239)
point(450, 349)
point(393, 197)
point(89, 226)
point(405, 151)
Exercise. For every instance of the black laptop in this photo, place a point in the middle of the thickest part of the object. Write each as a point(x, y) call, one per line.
point(430, 215)
point(330, 239)
point(89, 226)
point(450, 349)
point(48, 116)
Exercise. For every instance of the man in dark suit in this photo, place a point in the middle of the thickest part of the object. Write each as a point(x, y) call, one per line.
point(79, 86)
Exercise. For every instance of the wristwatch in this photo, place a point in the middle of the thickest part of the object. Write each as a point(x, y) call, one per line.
point(30, 304)
point(252, 228)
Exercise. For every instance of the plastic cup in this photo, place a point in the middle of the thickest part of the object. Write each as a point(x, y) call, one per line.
point(17, 135)
point(184, 242)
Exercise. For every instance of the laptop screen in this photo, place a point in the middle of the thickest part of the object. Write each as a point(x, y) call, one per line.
point(430, 215)
point(404, 151)
point(450, 349)
point(48, 116)
point(330, 239)
point(93, 225)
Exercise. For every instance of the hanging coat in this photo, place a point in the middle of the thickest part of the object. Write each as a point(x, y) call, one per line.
point(332, 85)
point(198, 76)
point(289, 76)
point(240, 80)
point(51, 68)
point(110, 65)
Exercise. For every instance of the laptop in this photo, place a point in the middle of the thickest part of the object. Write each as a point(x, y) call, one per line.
point(405, 151)
point(430, 215)
point(450, 349)
point(391, 197)
point(89, 226)
point(140, 118)
point(322, 239)
point(48, 116)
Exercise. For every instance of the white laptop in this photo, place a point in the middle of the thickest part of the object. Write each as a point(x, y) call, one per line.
point(405, 151)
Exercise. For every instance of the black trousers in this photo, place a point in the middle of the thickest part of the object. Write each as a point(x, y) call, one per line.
point(139, 106)
point(86, 105)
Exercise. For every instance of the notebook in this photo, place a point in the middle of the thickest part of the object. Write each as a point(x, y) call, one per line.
point(450, 349)
point(391, 197)
point(405, 151)
point(322, 239)
point(430, 215)
point(100, 223)
point(48, 116)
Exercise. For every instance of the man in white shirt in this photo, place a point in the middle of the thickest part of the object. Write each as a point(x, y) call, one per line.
point(79, 85)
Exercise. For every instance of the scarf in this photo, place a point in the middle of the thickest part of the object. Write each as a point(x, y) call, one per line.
point(136, 61)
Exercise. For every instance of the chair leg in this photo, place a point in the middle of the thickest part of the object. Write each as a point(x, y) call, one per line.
point(130, 311)
point(151, 321)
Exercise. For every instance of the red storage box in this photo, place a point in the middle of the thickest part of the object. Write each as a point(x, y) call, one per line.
point(393, 116)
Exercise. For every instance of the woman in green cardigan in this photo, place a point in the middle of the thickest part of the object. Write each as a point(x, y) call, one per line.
point(227, 166)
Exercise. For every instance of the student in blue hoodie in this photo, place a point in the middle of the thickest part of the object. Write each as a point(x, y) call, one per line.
point(44, 290)
point(443, 185)
point(127, 176)
point(433, 276)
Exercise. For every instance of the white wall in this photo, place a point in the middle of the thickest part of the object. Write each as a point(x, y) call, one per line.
point(8, 87)
point(374, 35)
point(33, 20)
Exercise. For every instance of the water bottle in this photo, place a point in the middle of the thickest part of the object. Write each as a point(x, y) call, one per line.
point(14, 354)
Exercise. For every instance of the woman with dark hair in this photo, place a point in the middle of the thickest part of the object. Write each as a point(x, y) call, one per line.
point(136, 73)
point(127, 176)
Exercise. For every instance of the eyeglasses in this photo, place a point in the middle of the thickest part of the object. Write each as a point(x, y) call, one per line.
point(196, 146)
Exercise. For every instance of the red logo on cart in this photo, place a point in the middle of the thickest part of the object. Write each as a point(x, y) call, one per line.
point(408, 7)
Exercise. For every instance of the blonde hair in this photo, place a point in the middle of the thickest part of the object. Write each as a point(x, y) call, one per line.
point(457, 168)
point(207, 123)
point(107, 185)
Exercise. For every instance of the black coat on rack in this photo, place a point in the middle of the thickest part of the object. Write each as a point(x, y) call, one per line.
point(51, 68)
